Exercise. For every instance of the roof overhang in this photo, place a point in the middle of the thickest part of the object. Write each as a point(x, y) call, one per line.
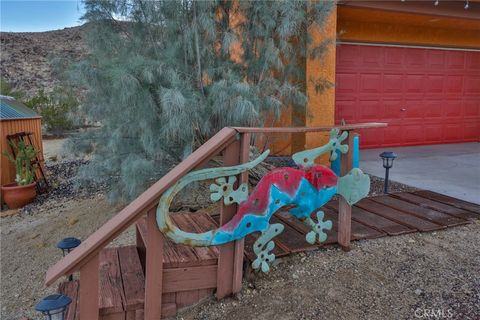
point(452, 9)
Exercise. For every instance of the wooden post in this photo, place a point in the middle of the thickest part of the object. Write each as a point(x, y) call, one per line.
point(344, 209)
point(239, 245)
point(153, 269)
point(230, 259)
point(89, 289)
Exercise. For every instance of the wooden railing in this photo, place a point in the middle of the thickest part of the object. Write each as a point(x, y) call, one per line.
point(234, 142)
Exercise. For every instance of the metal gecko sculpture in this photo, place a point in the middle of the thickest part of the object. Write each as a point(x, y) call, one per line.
point(303, 191)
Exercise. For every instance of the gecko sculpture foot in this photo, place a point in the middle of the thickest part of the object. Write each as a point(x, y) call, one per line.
point(263, 247)
point(317, 228)
point(299, 191)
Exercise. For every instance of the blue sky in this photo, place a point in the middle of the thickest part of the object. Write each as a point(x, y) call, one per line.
point(36, 16)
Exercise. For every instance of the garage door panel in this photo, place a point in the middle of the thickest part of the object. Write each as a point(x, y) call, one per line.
point(415, 58)
point(438, 91)
point(346, 83)
point(472, 85)
point(414, 109)
point(452, 109)
point(370, 110)
point(436, 60)
point(412, 134)
point(455, 60)
point(433, 109)
point(414, 83)
point(454, 84)
point(393, 83)
point(369, 138)
point(393, 58)
point(371, 83)
point(393, 135)
point(433, 133)
point(392, 110)
point(473, 61)
point(471, 131)
point(371, 57)
point(471, 108)
point(434, 84)
point(346, 110)
point(453, 132)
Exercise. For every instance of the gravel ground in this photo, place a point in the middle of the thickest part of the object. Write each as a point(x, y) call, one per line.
point(379, 278)
point(403, 277)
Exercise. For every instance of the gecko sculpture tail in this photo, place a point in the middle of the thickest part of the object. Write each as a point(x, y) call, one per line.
point(303, 190)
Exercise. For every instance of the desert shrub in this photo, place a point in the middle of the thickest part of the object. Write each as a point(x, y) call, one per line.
point(55, 108)
point(7, 90)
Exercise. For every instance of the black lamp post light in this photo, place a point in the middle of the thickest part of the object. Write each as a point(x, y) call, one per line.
point(387, 157)
point(67, 245)
point(53, 307)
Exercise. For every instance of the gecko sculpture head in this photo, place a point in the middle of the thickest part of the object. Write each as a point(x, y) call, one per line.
point(321, 177)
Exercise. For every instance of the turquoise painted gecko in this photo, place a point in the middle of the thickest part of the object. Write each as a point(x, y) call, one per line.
point(303, 191)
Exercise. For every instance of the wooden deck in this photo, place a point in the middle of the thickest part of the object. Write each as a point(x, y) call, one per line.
point(386, 215)
point(191, 273)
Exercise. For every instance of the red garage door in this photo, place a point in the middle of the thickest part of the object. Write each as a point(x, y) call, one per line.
point(426, 96)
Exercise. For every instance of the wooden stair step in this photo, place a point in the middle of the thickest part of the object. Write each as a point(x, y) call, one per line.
point(179, 255)
point(122, 286)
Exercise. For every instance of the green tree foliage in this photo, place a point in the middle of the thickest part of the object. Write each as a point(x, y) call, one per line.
point(164, 76)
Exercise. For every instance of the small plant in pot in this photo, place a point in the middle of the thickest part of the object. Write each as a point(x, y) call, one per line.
point(22, 191)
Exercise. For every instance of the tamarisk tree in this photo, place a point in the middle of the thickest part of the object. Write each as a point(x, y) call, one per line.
point(164, 76)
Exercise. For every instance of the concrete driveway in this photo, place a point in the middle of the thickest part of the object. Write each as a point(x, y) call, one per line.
point(451, 169)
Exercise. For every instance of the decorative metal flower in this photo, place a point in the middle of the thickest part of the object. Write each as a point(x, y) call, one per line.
point(222, 188)
point(264, 257)
point(317, 229)
point(335, 143)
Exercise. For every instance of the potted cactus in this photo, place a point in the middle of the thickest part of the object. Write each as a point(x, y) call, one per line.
point(22, 191)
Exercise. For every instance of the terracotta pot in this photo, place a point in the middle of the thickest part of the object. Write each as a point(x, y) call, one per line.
point(16, 196)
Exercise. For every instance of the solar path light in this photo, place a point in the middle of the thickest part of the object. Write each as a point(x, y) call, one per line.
point(53, 307)
point(67, 245)
point(387, 157)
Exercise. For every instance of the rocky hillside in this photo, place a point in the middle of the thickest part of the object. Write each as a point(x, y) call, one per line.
point(26, 56)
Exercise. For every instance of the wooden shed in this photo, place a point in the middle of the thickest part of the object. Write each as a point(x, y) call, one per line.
point(15, 117)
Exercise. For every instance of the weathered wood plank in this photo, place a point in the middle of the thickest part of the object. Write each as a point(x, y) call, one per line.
point(70, 289)
point(89, 289)
point(189, 278)
point(344, 209)
point(472, 207)
point(421, 212)
point(154, 269)
point(132, 278)
point(398, 216)
point(375, 221)
point(436, 205)
point(186, 298)
point(291, 239)
point(204, 254)
point(112, 297)
point(227, 256)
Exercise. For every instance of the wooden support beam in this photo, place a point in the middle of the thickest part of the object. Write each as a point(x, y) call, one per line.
point(228, 255)
point(153, 269)
point(344, 209)
point(89, 286)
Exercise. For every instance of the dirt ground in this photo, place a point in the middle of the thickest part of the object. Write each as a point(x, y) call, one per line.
point(387, 278)
point(416, 276)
